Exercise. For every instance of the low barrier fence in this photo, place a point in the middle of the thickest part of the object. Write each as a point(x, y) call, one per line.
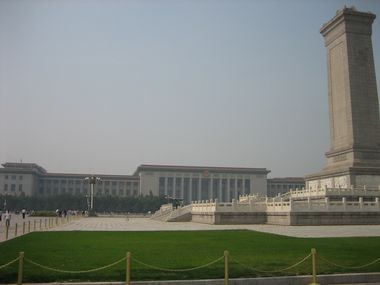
point(43, 224)
point(225, 258)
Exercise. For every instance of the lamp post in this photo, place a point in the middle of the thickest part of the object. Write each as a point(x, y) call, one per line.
point(92, 180)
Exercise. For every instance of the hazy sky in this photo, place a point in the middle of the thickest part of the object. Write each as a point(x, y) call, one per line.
point(104, 86)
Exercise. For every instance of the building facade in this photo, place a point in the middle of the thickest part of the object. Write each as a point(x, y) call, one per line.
point(188, 183)
point(196, 183)
point(30, 179)
point(279, 186)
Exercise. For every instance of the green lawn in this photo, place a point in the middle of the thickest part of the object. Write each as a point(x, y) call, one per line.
point(177, 250)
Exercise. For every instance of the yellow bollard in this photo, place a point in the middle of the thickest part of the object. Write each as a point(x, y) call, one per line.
point(226, 277)
point(314, 266)
point(16, 230)
point(128, 269)
point(28, 226)
point(20, 268)
point(23, 228)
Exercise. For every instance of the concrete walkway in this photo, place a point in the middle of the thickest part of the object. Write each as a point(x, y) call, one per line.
point(146, 224)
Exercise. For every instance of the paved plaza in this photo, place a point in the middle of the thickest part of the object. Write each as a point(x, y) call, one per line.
point(122, 223)
point(146, 224)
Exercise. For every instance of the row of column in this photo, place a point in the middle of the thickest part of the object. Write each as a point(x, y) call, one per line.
point(224, 195)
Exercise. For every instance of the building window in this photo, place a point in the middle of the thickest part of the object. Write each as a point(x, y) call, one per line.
point(13, 177)
point(20, 187)
point(114, 183)
point(121, 192)
point(13, 187)
point(6, 176)
point(21, 177)
point(5, 187)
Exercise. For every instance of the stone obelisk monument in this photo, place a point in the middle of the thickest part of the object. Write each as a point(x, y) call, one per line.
point(354, 155)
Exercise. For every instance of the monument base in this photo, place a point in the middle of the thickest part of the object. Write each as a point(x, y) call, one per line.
point(357, 177)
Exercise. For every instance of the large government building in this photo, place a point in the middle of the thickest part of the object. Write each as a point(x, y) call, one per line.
point(190, 183)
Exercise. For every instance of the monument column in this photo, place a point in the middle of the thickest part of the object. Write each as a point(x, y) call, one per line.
point(354, 155)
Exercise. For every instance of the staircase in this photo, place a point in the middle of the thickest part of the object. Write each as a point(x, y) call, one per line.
point(168, 214)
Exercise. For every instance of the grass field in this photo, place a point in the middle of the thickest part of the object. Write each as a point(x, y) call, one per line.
point(177, 250)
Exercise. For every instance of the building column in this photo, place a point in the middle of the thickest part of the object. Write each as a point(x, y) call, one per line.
point(228, 190)
point(182, 190)
point(220, 190)
point(236, 191)
point(210, 197)
point(190, 189)
point(166, 186)
point(200, 188)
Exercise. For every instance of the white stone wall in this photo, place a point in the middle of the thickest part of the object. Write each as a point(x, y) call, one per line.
point(331, 182)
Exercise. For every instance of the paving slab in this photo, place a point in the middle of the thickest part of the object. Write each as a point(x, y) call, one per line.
point(122, 223)
point(146, 224)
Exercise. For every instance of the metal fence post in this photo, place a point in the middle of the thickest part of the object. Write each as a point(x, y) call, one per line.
point(20, 268)
point(128, 269)
point(314, 266)
point(28, 226)
point(23, 228)
point(226, 267)
point(16, 230)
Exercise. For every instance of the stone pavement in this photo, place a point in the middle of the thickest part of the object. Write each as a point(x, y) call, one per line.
point(145, 224)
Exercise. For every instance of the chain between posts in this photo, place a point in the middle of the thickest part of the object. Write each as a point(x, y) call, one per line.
point(349, 267)
point(9, 263)
point(177, 270)
point(274, 271)
point(72, 271)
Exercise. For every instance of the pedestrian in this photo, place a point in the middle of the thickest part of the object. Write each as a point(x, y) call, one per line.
point(1, 215)
point(7, 219)
point(23, 212)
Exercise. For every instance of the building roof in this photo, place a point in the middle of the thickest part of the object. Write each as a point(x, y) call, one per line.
point(19, 167)
point(286, 180)
point(24, 166)
point(212, 169)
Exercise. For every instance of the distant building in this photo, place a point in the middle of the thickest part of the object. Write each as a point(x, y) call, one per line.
point(189, 183)
point(192, 183)
point(30, 179)
point(280, 186)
